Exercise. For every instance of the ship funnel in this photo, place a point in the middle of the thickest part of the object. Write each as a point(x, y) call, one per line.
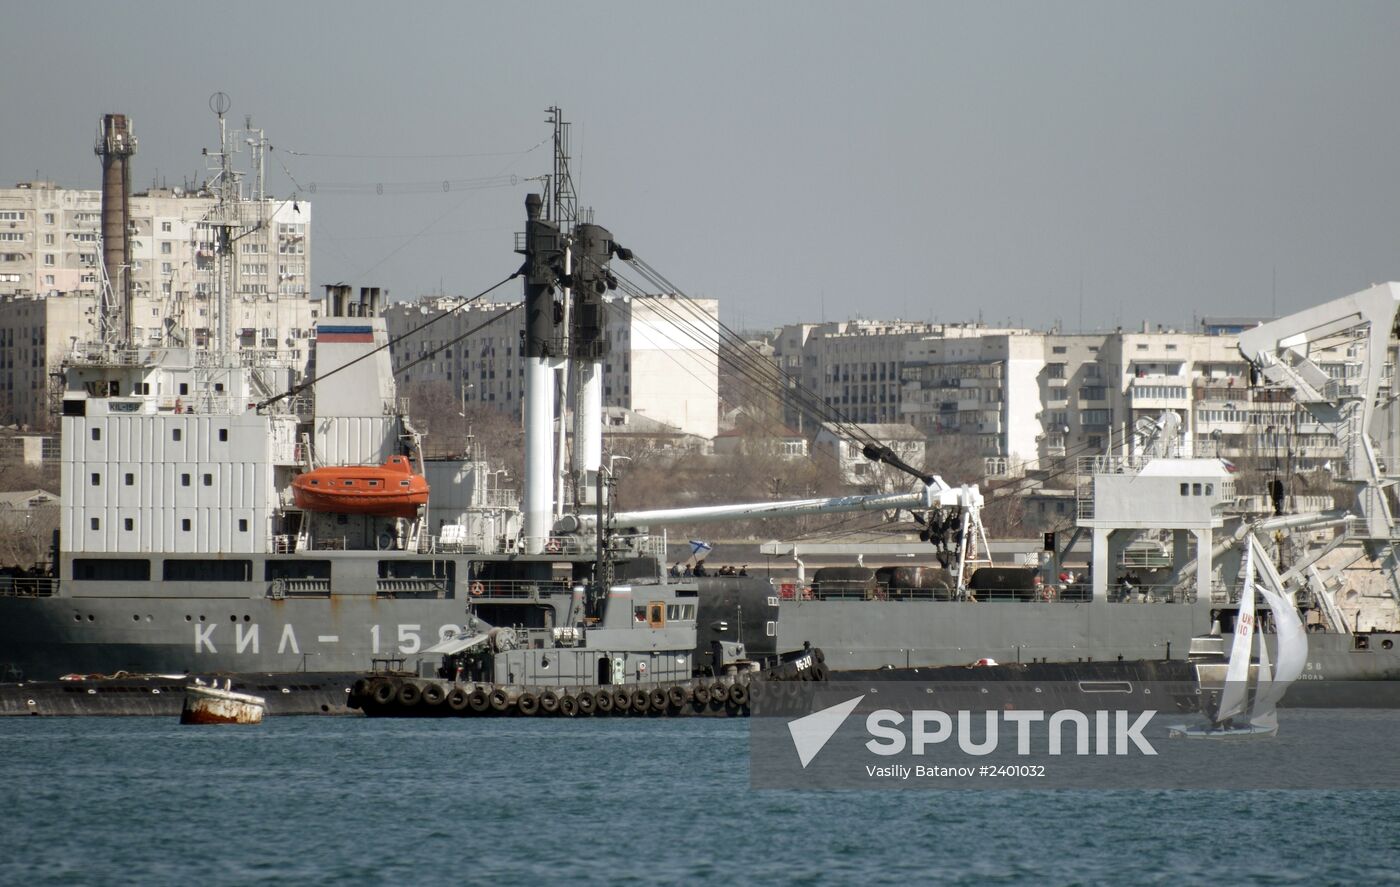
point(115, 145)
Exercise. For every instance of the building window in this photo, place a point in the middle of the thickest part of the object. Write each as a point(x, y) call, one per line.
point(48, 260)
point(185, 525)
point(130, 479)
point(97, 434)
point(96, 479)
point(129, 523)
point(209, 480)
point(48, 218)
point(175, 434)
point(242, 525)
point(223, 434)
point(95, 523)
point(184, 480)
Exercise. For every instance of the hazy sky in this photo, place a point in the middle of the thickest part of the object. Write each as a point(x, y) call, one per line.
point(925, 160)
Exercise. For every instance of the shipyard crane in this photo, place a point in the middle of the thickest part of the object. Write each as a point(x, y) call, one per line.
point(1287, 352)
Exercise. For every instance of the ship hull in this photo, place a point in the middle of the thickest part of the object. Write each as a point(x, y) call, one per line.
point(45, 638)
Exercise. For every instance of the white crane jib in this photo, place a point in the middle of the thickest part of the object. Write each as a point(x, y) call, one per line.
point(935, 494)
point(1282, 352)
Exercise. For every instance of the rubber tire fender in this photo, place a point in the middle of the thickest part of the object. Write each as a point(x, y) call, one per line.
point(587, 702)
point(604, 701)
point(479, 700)
point(739, 695)
point(621, 700)
point(568, 705)
point(527, 703)
point(434, 695)
point(384, 692)
point(676, 694)
point(459, 699)
point(641, 701)
point(500, 699)
point(410, 694)
point(549, 702)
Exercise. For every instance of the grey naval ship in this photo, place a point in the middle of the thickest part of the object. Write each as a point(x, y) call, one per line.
point(224, 513)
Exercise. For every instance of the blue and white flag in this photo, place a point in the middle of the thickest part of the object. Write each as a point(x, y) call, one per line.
point(697, 547)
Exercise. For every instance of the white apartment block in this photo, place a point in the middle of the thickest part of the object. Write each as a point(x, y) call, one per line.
point(662, 364)
point(853, 366)
point(1029, 398)
point(50, 258)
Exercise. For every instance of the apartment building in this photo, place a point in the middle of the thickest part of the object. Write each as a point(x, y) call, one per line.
point(854, 366)
point(659, 365)
point(50, 274)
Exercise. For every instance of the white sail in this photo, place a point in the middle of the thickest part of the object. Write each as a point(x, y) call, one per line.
point(1291, 649)
point(1262, 714)
point(1232, 698)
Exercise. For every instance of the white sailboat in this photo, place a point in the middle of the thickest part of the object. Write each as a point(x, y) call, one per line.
point(1292, 653)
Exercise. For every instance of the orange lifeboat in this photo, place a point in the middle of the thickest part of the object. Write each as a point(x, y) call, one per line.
point(390, 490)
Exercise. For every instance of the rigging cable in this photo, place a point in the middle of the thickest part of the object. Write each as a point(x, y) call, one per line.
point(310, 383)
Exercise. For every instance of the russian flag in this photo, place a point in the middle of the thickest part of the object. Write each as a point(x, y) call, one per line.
point(346, 334)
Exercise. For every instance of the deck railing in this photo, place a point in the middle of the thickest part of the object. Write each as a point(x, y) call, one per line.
point(28, 586)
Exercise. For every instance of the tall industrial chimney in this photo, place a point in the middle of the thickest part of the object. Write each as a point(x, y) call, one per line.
point(115, 145)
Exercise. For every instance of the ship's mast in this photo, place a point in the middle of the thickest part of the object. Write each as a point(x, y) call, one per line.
point(226, 190)
point(563, 208)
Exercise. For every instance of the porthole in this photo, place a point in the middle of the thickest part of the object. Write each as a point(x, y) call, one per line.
point(1387, 644)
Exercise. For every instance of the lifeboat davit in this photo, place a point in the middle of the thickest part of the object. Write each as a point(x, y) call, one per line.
point(389, 490)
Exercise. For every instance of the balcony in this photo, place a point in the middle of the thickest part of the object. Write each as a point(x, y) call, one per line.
point(1160, 392)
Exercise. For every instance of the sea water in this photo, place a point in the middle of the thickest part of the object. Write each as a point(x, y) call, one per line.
point(355, 801)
